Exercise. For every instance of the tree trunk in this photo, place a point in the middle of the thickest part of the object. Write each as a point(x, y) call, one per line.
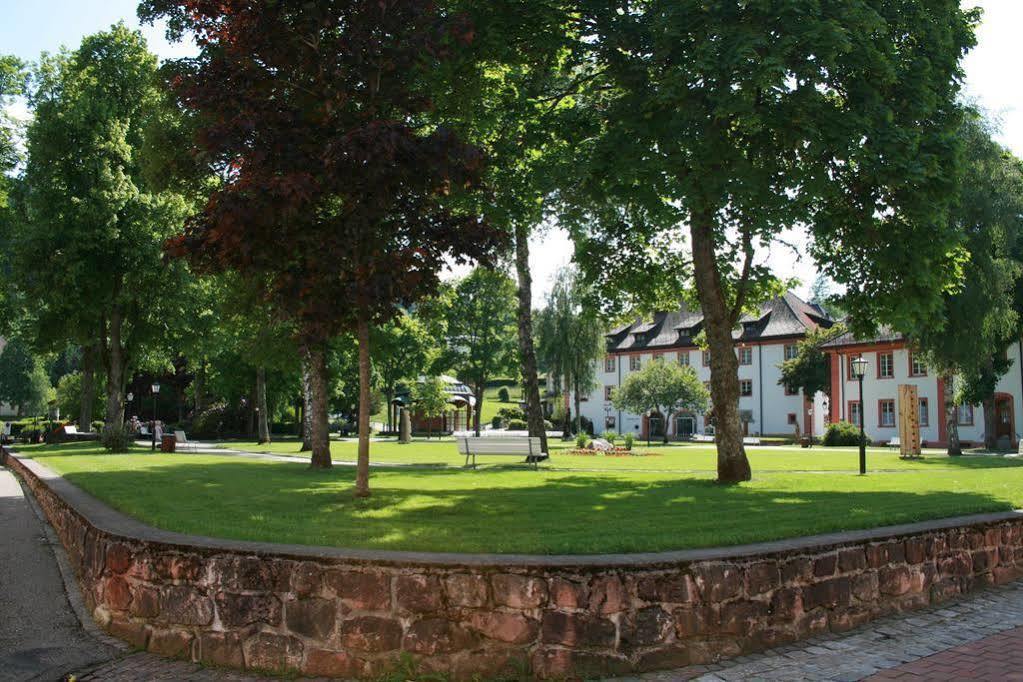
point(479, 408)
point(567, 433)
point(578, 414)
point(199, 387)
point(88, 387)
point(951, 413)
point(733, 466)
point(990, 424)
point(115, 363)
point(262, 416)
point(307, 405)
point(531, 384)
point(362, 465)
point(319, 436)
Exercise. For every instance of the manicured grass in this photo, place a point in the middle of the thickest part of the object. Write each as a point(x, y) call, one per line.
point(506, 508)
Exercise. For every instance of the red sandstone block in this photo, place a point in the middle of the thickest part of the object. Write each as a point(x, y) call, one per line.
point(236, 610)
point(272, 652)
point(306, 578)
point(362, 590)
point(116, 593)
point(983, 560)
point(741, 617)
point(145, 601)
point(865, 586)
point(1005, 574)
point(171, 643)
point(466, 589)
point(828, 593)
point(824, 566)
point(184, 605)
point(796, 571)
point(570, 594)
point(993, 536)
point(133, 632)
point(118, 557)
point(577, 629)
point(854, 559)
point(894, 580)
point(186, 567)
point(762, 576)
point(692, 621)
point(607, 595)
point(672, 588)
point(234, 572)
point(503, 626)
point(576, 665)
point(419, 593)
point(718, 582)
point(370, 633)
point(432, 636)
point(916, 550)
point(518, 591)
point(786, 603)
point(324, 663)
point(312, 617)
point(650, 627)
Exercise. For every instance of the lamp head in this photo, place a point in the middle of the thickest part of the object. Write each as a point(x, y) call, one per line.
point(156, 387)
point(859, 367)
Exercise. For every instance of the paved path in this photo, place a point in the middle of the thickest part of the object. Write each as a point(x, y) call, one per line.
point(962, 638)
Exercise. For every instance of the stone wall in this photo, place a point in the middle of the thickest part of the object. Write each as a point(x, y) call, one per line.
point(327, 612)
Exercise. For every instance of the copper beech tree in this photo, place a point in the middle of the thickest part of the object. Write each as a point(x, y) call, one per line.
point(341, 198)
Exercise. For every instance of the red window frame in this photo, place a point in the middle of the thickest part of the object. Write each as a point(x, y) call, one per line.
point(880, 414)
point(923, 409)
point(742, 392)
point(891, 364)
point(912, 370)
point(609, 363)
point(745, 352)
point(849, 412)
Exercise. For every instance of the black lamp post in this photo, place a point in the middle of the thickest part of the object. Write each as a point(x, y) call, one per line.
point(859, 368)
point(156, 392)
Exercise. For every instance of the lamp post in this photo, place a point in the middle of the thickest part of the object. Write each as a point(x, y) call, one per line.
point(156, 392)
point(859, 368)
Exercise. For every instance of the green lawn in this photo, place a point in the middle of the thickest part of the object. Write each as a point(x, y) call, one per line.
point(578, 505)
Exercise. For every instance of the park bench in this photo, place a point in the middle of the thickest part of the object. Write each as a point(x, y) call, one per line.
point(182, 441)
point(750, 440)
point(702, 438)
point(895, 442)
point(492, 445)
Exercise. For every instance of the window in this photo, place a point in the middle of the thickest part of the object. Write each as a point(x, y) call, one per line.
point(609, 363)
point(849, 367)
point(924, 413)
point(706, 358)
point(745, 388)
point(683, 358)
point(886, 413)
point(855, 413)
point(745, 356)
point(916, 366)
point(885, 365)
point(791, 351)
point(609, 422)
point(792, 418)
point(608, 392)
point(634, 363)
point(966, 415)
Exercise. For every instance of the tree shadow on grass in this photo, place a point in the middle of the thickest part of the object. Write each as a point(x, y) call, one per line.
point(502, 511)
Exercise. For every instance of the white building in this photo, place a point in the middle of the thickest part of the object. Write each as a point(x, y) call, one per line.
point(891, 362)
point(762, 342)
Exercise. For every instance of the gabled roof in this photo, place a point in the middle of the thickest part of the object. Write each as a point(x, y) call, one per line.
point(785, 316)
point(884, 335)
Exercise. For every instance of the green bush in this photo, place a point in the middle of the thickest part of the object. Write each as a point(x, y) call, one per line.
point(581, 440)
point(629, 440)
point(496, 422)
point(97, 425)
point(509, 413)
point(502, 394)
point(611, 436)
point(842, 433)
point(116, 438)
point(547, 425)
point(517, 425)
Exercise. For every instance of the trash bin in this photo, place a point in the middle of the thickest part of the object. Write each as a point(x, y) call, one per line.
point(167, 442)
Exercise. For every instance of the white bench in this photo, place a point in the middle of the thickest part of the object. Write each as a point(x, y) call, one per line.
point(70, 430)
point(495, 445)
point(702, 438)
point(895, 442)
point(182, 441)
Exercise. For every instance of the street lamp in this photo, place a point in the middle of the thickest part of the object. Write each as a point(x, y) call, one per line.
point(156, 392)
point(859, 368)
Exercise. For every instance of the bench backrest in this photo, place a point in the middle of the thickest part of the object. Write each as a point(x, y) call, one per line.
point(180, 437)
point(494, 445)
point(70, 429)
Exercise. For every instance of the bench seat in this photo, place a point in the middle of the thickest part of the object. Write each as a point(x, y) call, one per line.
point(495, 445)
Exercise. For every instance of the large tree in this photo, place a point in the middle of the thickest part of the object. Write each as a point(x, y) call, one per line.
point(965, 344)
point(720, 125)
point(666, 388)
point(23, 379)
point(88, 252)
point(342, 194)
point(481, 331)
point(570, 340)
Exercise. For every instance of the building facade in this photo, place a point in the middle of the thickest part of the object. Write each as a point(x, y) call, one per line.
point(761, 342)
point(891, 362)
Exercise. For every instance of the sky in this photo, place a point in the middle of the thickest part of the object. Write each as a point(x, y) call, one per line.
point(994, 79)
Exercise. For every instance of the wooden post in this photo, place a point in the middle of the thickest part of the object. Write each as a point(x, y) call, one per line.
point(909, 421)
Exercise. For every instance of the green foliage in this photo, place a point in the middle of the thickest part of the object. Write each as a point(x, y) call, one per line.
point(430, 397)
point(502, 394)
point(24, 382)
point(628, 438)
point(841, 433)
point(116, 438)
point(581, 440)
point(507, 413)
point(809, 371)
point(517, 425)
point(610, 436)
point(69, 395)
point(663, 387)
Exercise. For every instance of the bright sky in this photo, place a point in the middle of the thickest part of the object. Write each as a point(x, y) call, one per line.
point(994, 80)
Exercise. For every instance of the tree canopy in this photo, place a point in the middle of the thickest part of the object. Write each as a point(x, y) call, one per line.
point(666, 388)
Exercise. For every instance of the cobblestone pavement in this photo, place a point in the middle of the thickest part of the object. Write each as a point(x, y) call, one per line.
point(956, 634)
point(151, 668)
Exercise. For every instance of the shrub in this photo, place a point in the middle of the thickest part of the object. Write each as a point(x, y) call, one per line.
point(629, 440)
point(517, 425)
point(508, 413)
point(547, 425)
point(611, 436)
point(587, 425)
point(842, 433)
point(581, 441)
point(116, 438)
point(502, 394)
point(496, 422)
point(97, 426)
